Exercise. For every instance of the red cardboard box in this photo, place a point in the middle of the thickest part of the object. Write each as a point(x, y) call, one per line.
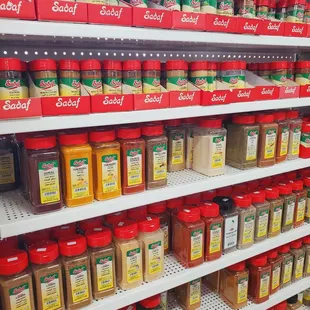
point(20, 9)
point(152, 101)
point(216, 97)
point(273, 28)
point(220, 23)
point(188, 20)
point(289, 91)
point(187, 98)
point(304, 91)
point(295, 29)
point(250, 25)
point(111, 103)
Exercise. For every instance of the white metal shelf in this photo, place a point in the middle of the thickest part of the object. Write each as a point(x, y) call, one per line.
point(91, 120)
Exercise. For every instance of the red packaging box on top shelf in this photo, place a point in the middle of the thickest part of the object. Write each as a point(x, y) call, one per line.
point(188, 20)
point(220, 23)
point(18, 9)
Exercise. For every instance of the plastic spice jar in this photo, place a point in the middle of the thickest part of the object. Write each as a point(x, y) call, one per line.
point(307, 13)
point(151, 76)
point(133, 159)
point(91, 76)
point(188, 295)
point(262, 9)
point(225, 7)
point(287, 265)
point(188, 237)
point(76, 164)
point(10, 79)
point(16, 281)
point(306, 245)
point(295, 134)
point(264, 70)
point(89, 224)
point(283, 136)
point(304, 148)
point(268, 131)
point(189, 124)
point(242, 142)
point(198, 74)
point(151, 303)
point(106, 157)
point(281, 10)
point(69, 77)
point(209, 147)
point(102, 261)
point(234, 285)
point(43, 73)
point(301, 200)
point(176, 75)
point(275, 262)
point(76, 266)
point(47, 271)
point(295, 11)
point(128, 255)
point(245, 8)
point(132, 76)
point(210, 214)
point(278, 74)
point(272, 10)
point(233, 73)
point(298, 253)
point(156, 155)
point(112, 77)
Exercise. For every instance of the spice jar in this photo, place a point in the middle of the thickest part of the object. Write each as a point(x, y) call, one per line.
point(272, 10)
point(245, 8)
point(264, 70)
point(128, 255)
point(262, 8)
point(275, 262)
point(76, 164)
point(307, 188)
point(212, 281)
point(209, 137)
point(290, 71)
point(295, 11)
point(234, 285)
point(233, 73)
point(151, 76)
point(176, 75)
point(278, 74)
point(302, 76)
point(106, 164)
point(132, 76)
point(306, 245)
point(16, 281)
point(69, 77)
point(300, 205)
point(151, 303)
point(242, 142)
point(102, 261)
point(112, 77)
point(198, 74)
point(210, 214)
point(298, 253)
point(176, 145)
point(262, 215)
point(225, 7)
point(24, 81)
point(268, 131)
point(114, 218)
point(91, 76)
point(188, 295)
point(306, 297)
point(295, 134)
point(43, 73)
point(207, 6)
point(188, 237)
point(133, 159)
point(307, 13)
point(304, 148)
point(287, 265)
point(211, 77)
point(87, 224)
point(47, 272)
point(159, 209)
point(293, 303)
point(156, 155)
point(281, 11)
point(283, 136)
point(173, 207)
point(189, 124)
point(76, 266)
point(151, 238)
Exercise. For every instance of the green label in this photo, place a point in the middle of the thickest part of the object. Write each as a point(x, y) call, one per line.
point(233, 79)
point(285, 129)
point(201, 82)
point(196, 232)
point(178, 137)
point(78, 162)
point(297, 130)
point(297, 13)
point(195, 4)
point(154, 245)
point(133, 252)
point(218, 139)
point(103, 260)
point(271, 15)
point(112, 82)
point(159, 148)
point(109, 158)
point(134, 152)
point(290, 77)
point(46, 83)
point(271, 131)
point(170, 3)
point(10, 83)
point(177, 80)
point(305, 139)
point(71, 82)
point(252, 133)
point(249, 218)
point(278, 77)
point(261, 15)
point(76, 270)
point(246, 10)
point(209, 3)
point(133, 82)
point(225, 5)
point(93, 83)
point(46, 165)
point(49, 278)
point(18, 289)
point(155, 82)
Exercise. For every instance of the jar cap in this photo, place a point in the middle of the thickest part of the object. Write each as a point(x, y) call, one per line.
point(131, 65)
point(239, 189)
point(73, 138)
point(193, 199)
point(10, 64)
point(112, 65)
point(175, 203)
point(281, 306)
point(264, 66)
point(278, 65)
point(292, 114)
point(305, 127)
point(225, 203)
point(69, 64)
point(253, 66)
point(303, 64)
point(157, 207)
point(209, 209)
point(149, 224)
point(296, 244)
point(189, 215)
point(151, 130)
point(99, 236)
point(36, 236)
point(272, 253)
point(90, 223)
point(265, 182)
point(72, 245)
point(210, 123)
point(90, 64)
point(128, 132)
point(253, 185)
point(151, 65)
point(126, 229)
point(258, 196)
point(198, 65)
point(23, 66)
point(284, 249)
point(284, 188)
point(244, 201)
point(306, 240)
point(233, 65)
point(291, 65)
point(13, 261)
point(176, 65)
point(116, 217)
point(243, 119)
point(262, 3)
point(282, 4)
point(172, 122)
point(151, 302)
point(137, 213)
point(42, 65)
point(9, 243)
point(102, 135)
point(190, 120)
point(259, 261)
point(295, 2)
point(272, 192)
point(40, 142)
point(212, 65)
point(297, 185)
point(306, 181)
point(237, 267)
point(63, 231)
point(264, 118)
point(43, 252)
point(272, 4)
point(279, 116)
point(224, 191)
point(208, 195)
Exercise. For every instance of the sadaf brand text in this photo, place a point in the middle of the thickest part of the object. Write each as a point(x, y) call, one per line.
point(187, 96)
point(79, 163)
point(267, 91)
point(107, 100)
point(274, 26)
point(68, 103)
point(64, 8)
point(220, 98)
point(153, 98)
point(154, 16)
point(12, 84)
point(248, 26)
point(48, 166)
point(16, 106)
point(49, 278)
point(47, 84)
point(9, 6)
point(117, 12)
point(297, 29)
point(221, 22)
point(191, 19)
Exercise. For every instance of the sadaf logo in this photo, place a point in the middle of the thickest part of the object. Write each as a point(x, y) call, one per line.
point(307, 140)
point(47, 84)
point(200, 81)
point(300, 15)
point(271, 132)
point(57, 7)
point(96, 84)
point(283, 78)
point(243, 281)
point(9, 6)
point(181, 82)
point(196, 233)
point(115, 83)
point(134, 153)
point(111, 12)
point(12, 84)
point(48, 166)
point(216, 226)
point(225, 6)
point(109, 159)
point(297, 29)
point(8, 105)
point(160, 148)
point(136, 2)
point(137, 83)
point(178, 137)
point(243, 11)
point(132, 253)
point(195, 3)
point(218, 139)
point(169, 3)
point(78, 270)
point(252, 133)
point(156, 83)
point(18, 290)
point(79, 163)
point(76, 84)
point(103, 260)
point(154, 246)
point(233, 80)
point(49, 278)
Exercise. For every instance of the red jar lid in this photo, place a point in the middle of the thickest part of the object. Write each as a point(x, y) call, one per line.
point(151, 302)
point(128, 132)
point(253, 185)
point(42, 65)
point(209, 209)
point(307, 6)
point(243, 201)
point(10, 64)
point(243, 119)
point(35, 236)
point(279, 116)
point(189, 215)
point(23, 66)
point(259, 261)
point(306, 240)
point(252, 66)
point(157, 207)
point(297, 185)
point(208, 195)
point(272, 4)
point(233, 65)
point(272, 192)
point(172, 122)
point(281, 306)
point(262, 3)
point(151, 65)
point(264, 118)
point(305, 127)
point(10, 243)
point(63, 231)
point(210, 123)
point(291, 65)
point(265, 182)
point(198, 65)
point(190, 120)
point(126, 229)
point(292, 114)
point(153, 130)
point(264, 66)
point(176, 65)
point(303, 64)
point(239, 189)
point(150, 223)
point(90, 64)
point(99, 236)
point(295, 2)
point(112, 65)
point(212, 65)
point(306, 181)
point(90, 223)
point(72, 245)
point(69, 64)
point(12, 262)
point(224, 191)
point(40, 142)
point(284, 189)
point(102, 135)
point(278, 65)
point(258, 196)
point(116, 217)
point(296, 244)
point(272, 253)
point(137, 213)
point(282, 4)
point(43, 252)
point(292, 175)
point(175, 203)
point(237, 267)
point(129, 65)
point(284, 249)
point(73, 138)
point(193, 199)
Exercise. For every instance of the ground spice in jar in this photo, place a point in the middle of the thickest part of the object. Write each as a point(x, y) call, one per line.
point(151, 76)
point(112, 77)
point(295, 11)
point(306, 245)
point(188, 295)
point(176, 75)
point(69, 77)
point(278, 74)
point(290, 71)
point(132, 76)
point(91, 76)
point(245, 8)
point(264, 70)
point(287, 265)
point(275, 262)
point(262, 9)
point(300, 202)
point(298, 253)
point(198, 74)
point(304, 149)
point(272, 10)
point(307, 188)
point(281, 11)
point(189, 124)
point(225, 7)
point(151, 303)
point(283, 136)
point(307, 13)
point(295, 134)
point(233, 73)
point(47, 272)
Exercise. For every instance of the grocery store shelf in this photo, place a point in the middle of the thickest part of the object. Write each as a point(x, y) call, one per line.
point(91, 120)
point(16, 216)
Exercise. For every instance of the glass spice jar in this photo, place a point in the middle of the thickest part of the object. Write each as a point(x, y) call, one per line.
point(112, 77)
point(69, 77)
point(264, 70)
point(302, 76)
point(298, 253)
point(301, 199)
point(262, 9)
point(306, 245)
point(295, 11)
point(151, 76)
point(189, 124)
point(233, 73)
point(278, 72)
point(281, 10)
point(176, 75)
point(91, 76)
point(295, 133)
point(287, 265)
point(283, 136)
point(132, 76)
point(275, 262)
point(198, 74)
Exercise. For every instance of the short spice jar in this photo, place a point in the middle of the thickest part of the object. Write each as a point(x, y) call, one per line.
point(77, 272)
point(306, 245)
point(188, 295)
point(112, 77)
point(283, 136)
point(262, 9)
point(233, 73)
point(47, 272)
point(278, 74)
point(295, 11)
point(301, 200)
point(307, 13)
point(304, 148)
point(198, 74)
point(132, 76)
point(275, 262)
point(106, 162)
point(156, 144)
point(176, 75)
point(295, 134)
point(91, 76)
point(307, 188)
point(151, 76)
point(151, 303)
point(69, 77)
point(102, 261)
point(298, 253)
point(264, 70)
point(189, 124)
point(287, 265)
point(281, 10)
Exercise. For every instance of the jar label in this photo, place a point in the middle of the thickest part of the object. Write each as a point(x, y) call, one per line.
point(79, 283)
point(156, 257)
point(302, 78)
point(290, 77)
point(218, 152)
point(288, 268)
point(234, 81)
point(201, 81)
point(48, 87)
point(308, 267)
point(194, 292)
point(301, 207)
point(7, 170)
point(271, 15)
point(112, 86)
point(190, 5)
point(305, 140)
point(163, 301)
point(276, 272)
point(246, 11)
point(177, 149)
point(165, 229)
point(138, 3)
point(190, 148)
point(134, 84)
point(177, 83)
point(134, 166)
point(242, 290)
point(196, 244)
point(49, 181)
point(133, 265)
point(295, 141)
point(251, 149)
point(290, 212)
point(225, 7)
point(307, 18)
point(20, 297)
point(104, 268)
point(50, 290)
point(215, 238)
point(208, 6)
point(270, 144)
point(299, 266)
point(264, 285)
point(79, 177)
point(211, 83)
point(11, 89)
point(69, 87)
point(230, 232)
point(160, 162)
point(93, 86)
point(278, 79)
point(248, 230)
point(277, 219)
point(295, 14)
point(151, 85)
point(173, 5)
point(284, 141)
point(262, 223)
point(110, 173)
point(262, 15)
